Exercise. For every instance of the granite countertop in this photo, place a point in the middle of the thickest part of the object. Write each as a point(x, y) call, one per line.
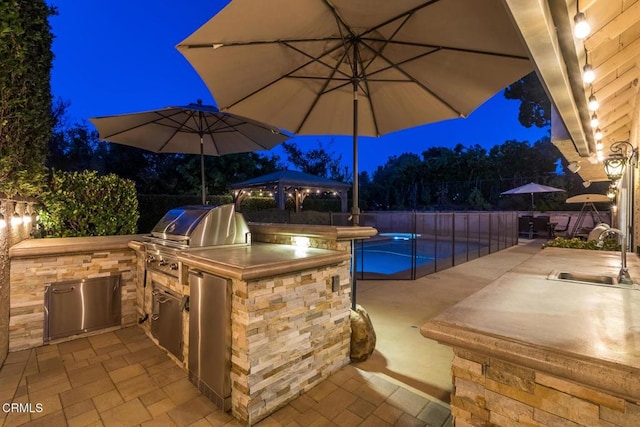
point(259, 260)
point(570, 329)
point(69, 245)
point(331, 232)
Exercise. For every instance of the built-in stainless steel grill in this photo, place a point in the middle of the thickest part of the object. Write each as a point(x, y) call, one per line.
point(179, 230)
point(189, 227)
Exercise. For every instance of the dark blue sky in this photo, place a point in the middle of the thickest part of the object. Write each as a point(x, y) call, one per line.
point(119, 56)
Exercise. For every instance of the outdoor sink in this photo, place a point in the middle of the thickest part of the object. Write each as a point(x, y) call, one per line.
point(589, 279)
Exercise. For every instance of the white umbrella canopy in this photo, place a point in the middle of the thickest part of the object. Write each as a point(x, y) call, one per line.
point(532, 188)
point(588, 198)
point(192, 129)
point(356, 67)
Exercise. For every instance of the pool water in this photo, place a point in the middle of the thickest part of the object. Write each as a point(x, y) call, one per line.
point(395, 255)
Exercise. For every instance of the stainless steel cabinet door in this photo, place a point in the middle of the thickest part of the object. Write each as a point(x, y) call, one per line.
point(166, 321)
point(75, 307)
point(210, 335)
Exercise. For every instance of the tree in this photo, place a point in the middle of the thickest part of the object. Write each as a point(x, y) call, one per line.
point(535, 107)
point(521, 159)
point(221, 172)
point(25, 95)
point(318, 161)
point(398, 184)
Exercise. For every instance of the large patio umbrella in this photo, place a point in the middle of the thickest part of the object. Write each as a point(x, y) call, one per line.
point(532, 188)
point(356, 67)
point(192, 129)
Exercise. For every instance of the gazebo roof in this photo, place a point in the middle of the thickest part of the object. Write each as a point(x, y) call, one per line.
point(290, 178)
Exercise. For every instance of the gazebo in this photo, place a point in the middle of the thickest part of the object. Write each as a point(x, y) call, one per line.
point(290, 183)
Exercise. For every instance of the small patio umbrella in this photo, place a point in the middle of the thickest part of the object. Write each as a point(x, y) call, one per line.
point(588, 198)
point(192, 129)
point(356, 67)
point(532, 188)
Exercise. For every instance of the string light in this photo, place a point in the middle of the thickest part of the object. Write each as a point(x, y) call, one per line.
point(581, 28)
point(588, 75)
point(593, 103)
point(594, 121)
point(598, 134)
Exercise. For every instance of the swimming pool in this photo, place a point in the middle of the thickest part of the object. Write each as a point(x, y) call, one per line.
point(399, 255)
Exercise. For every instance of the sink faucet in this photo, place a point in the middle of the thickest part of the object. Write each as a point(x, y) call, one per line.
point(623, 275)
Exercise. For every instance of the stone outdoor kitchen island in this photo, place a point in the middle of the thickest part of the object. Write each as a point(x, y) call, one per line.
point(536, 351)
point(290, 308)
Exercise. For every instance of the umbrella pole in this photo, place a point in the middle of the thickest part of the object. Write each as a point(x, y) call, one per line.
point(203, 191)
point(355, 209)
point(533, 206)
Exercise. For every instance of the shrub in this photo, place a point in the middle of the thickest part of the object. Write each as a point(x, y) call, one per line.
point(252, 204)
point(25, 95)
point(86, 204)
point(575, 243)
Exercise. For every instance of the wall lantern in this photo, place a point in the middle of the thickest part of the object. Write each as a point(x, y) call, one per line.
point(614, 166)
point(621, 153)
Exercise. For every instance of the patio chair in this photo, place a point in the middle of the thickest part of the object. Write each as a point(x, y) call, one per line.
point(562, 227)
point(541, 226)
point(524, 225)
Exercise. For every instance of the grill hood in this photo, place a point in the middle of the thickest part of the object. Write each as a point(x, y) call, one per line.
point(202, 225)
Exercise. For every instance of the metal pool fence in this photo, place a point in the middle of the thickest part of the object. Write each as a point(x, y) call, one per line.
point(410, 245)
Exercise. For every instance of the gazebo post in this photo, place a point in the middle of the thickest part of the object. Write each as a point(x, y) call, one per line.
point(298, 201)
point(280, 196)
point(343, 201)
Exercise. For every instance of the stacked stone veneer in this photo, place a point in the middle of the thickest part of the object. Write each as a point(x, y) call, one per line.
point(288, 334)
point(29, 275)
point(488, 391)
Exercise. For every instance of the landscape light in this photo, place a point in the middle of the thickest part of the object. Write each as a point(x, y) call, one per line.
point(26, 217)
point(16, 219)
